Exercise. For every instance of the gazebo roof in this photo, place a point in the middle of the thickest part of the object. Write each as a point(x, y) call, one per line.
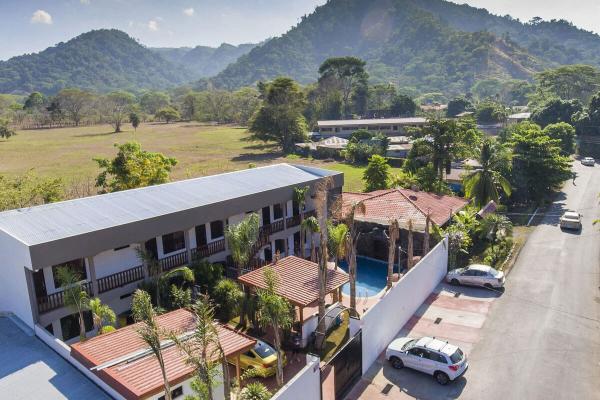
point(298, 280)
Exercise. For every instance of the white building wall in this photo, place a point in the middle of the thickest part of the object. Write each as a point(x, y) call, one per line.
point(110, 262)
point(381, 323)
point(306, 385)
point(14, 293)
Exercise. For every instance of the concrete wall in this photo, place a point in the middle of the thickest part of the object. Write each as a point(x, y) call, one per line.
point(306, 385)
point(381, 323)
point(14, 293)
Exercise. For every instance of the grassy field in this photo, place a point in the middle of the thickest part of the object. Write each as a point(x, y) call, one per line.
point(200, 149)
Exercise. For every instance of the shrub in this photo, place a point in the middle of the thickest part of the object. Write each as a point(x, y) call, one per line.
point(255, 391)
point(228, 298)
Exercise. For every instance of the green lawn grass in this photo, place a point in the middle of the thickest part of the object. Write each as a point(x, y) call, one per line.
point(200, 149)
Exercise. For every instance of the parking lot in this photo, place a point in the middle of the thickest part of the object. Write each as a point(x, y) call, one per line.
point(452, 313)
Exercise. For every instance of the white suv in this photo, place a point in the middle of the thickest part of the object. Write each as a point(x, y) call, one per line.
point(445, 362)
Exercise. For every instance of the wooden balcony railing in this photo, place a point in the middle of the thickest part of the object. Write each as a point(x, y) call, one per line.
point(293, 221)
point(119, 279)
point(272, 228)
point(174, 261)
point(57, 300)
point(210, 248)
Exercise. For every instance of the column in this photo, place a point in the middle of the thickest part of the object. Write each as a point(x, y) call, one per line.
point(32, 295)
point(144, 264)
point(92, 269)
point(188, 248)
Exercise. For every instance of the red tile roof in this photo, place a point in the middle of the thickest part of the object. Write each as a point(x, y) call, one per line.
point(142, 377)
point(298, 280)
point(383, 206)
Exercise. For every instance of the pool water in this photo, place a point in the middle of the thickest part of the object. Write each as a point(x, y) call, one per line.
point(371, 276)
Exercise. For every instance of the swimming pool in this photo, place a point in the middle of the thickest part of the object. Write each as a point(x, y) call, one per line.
point(371, 276)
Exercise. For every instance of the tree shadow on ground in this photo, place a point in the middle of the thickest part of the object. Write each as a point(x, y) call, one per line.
point(260, 157)
point(97, 134)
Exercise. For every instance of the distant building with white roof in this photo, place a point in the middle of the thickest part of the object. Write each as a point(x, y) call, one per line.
point(387, 126)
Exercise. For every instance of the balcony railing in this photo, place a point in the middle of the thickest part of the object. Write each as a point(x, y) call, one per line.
point(174, 261)
point(57, 300)
point(272, 228)
point(119, 279)
point(210, 248)
point(293, 221)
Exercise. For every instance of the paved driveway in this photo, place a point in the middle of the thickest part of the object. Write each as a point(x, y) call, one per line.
point(452, 313)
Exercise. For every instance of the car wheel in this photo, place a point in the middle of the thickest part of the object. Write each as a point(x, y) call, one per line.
point(396, 362)
point(441, 378)
point(454, 281)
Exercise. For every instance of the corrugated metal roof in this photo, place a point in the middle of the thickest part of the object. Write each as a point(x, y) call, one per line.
point(374, 121)
point(298, 280)
point(50, 222)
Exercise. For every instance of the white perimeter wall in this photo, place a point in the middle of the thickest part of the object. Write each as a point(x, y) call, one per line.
point(381, 323)
point(306, 385)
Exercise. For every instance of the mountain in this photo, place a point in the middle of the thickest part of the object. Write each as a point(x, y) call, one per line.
point(205, 61)
point(427, 45)
point(101, 60)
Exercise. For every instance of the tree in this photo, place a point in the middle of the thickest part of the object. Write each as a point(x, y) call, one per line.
point(556, 110)
point(403, 106)
point(189, 107)
point(103, 316)
point(275, 313)
point(376, 174)
point(300, 199)
point(346, 74)
point(168, 114)
point(494, 227)
point(5, 131)
point(321, 202)
point(149, 331)
point(116, 107)
point(310, 226)
point(489, 112)
point(457, 106)
point(152, 101)
point(35, 101)
point(484, 184)
point(279, 118)
point(255, 391)
point(393, 235)
point(565, 133)
point(229, 297)
point(537, 164)
point(133, 168)
point(587, 122)
point(75, 296)
point(351, 242)
point(75, 103)
point(29, 190)
point(203, 351)
point(337, 236)
point(134, 118)
point(569, 82)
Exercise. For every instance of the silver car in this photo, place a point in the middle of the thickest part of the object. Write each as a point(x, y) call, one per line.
point(589, 161)
point(476, 275)
point(570, 220)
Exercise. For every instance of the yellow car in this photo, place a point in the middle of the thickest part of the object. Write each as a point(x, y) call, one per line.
point(262, 359)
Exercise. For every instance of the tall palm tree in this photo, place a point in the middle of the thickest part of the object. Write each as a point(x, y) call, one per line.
point(311, 226)
point(426, 237)
point(486, 183)
point(351, 242)
point(75, 296)
point(102, 315)
point(321, 201)
point(300, 199)
point(337, 242)
point(149, 331)
point(410, 249)
point(394, 234)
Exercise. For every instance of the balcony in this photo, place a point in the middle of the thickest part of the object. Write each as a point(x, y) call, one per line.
point(210, 248)
point(57, 300)
point(120, 279)
point(293, 221)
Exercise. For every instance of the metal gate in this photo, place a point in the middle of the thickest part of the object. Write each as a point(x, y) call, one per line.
point(343, 370)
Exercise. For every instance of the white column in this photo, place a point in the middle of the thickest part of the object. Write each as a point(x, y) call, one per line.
point(92, 269)
point(188, 248)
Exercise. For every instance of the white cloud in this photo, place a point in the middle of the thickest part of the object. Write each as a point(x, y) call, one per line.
point(189, 12)
point(153, 25)
point(41, 17)
point(86, 2)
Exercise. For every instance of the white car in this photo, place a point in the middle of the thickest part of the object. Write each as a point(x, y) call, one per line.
point(477, 275)
point(589, 161)
point(445, 362)
point(570, 220)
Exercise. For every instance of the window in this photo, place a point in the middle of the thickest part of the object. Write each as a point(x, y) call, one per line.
point(216, 229)
point(173, 242)
point(70, 325)
point(415, 351)
point(437, 357)
point(295, 208)
point(249, 354)
point(280, 246)
point(175, 393)
point(277, 211)
point(201, 235)
point(77, 266)
point(395, 127)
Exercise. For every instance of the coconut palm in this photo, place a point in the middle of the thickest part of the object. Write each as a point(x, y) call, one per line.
point(426, 237)
point(75, 296)
point(103, 316)
point(149, 331)
point(486, 183)
point(337, 242)
point(321, 198)
point(300, 199)
point(311, 226)
point(394, 234)
point(351, 242)
point(410, 249)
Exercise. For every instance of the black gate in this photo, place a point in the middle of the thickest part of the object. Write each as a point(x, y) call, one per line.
point(343, 370)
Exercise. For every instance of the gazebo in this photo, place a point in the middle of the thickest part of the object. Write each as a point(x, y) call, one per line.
point(298, 282)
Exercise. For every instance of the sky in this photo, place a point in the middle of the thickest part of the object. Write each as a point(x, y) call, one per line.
point(28, 26)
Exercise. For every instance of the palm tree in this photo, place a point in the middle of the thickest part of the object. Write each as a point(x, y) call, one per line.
point(103, 316)
point(321, 208)
point(337, 242)
point(75, 296)
point(426, 234)
point(300, 199)
point(276, 313)
point(485, 184)
point(149, 331)
point(311, 226)
point(394, 234)
point(494, 226)
point(351, 241)
point(241, 239)
point(410, 249)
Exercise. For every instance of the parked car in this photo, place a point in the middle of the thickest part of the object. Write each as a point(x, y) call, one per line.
point(262, 359)
point(570, 220)
point(589, 161)
point(444, 361)
point(476, 275)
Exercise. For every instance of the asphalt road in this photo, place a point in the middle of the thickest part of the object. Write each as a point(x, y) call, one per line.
point(541, 339)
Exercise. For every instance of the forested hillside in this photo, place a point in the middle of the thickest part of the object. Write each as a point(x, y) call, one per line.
point(99, 60)
point(204, 61)
point(429, 45)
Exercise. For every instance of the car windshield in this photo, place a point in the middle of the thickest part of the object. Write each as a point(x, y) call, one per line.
point(457, 356)
point(263, 350)
point(493, 272)
point(409, 345)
